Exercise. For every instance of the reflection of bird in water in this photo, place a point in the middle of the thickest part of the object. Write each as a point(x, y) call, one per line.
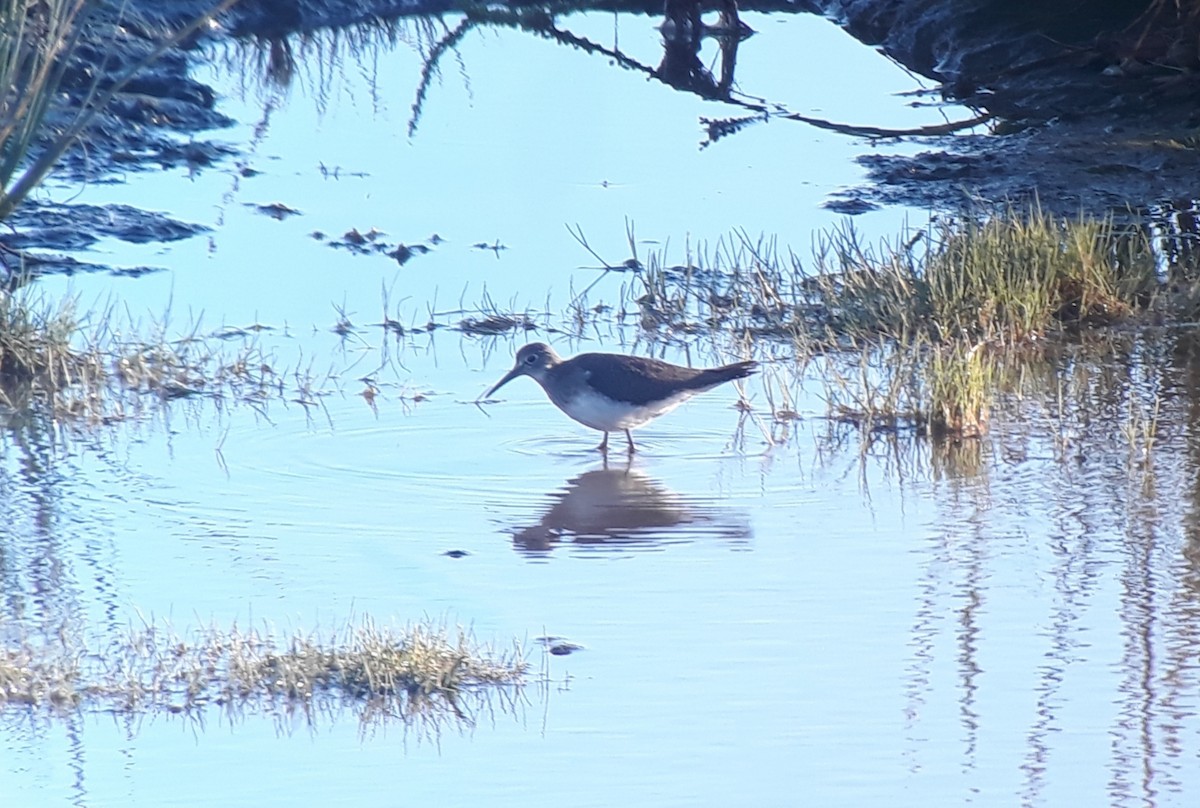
point(622, 506)
point(613, 392)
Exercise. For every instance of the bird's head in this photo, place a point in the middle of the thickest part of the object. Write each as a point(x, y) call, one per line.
point(534, 360)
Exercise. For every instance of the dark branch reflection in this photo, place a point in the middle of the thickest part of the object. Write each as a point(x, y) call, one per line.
point(278, 54)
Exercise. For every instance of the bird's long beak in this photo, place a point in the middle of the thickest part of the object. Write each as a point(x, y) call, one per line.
point(508, 377)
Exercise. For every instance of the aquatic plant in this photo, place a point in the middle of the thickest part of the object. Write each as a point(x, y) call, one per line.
point(909, 331)
point(980, 290)
point(35, 339)
point(960, 383)
point(421, 670)
point(1004, 278)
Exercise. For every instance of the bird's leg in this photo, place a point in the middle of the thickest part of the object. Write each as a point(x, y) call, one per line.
point(603, 447)
point(629, 437)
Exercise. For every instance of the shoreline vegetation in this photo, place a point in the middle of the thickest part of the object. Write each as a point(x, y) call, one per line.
point(54, 92)
point(905, 335)
point(913, 334)
point(920, 338)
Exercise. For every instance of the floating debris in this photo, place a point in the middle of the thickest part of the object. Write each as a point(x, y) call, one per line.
point(495, 247)
point(276, 210)
point(337, 172)
point(371, 242)
point(234, 332)
point(403, 252)
point(559, 646)
point(494, 324)
point(352, 236)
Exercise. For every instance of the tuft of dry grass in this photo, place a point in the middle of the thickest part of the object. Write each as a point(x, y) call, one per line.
point(35, 340)
point(413, 670)
point(30, 677)
point(90, 372)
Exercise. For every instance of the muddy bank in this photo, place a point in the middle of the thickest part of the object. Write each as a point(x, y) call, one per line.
point(1030, 63)
point(1093, 103)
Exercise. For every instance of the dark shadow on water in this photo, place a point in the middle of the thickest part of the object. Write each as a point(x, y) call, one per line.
point(617, 507)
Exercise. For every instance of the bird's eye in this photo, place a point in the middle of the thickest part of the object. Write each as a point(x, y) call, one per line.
point(531, 359)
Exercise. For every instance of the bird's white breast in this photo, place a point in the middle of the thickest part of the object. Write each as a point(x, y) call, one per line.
point(600, 412)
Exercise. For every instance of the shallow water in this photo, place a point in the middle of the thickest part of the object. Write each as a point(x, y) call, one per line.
point(764, 621)
point(818, 620)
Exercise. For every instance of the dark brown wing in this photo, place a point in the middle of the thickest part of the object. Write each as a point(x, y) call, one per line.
point(640, 380)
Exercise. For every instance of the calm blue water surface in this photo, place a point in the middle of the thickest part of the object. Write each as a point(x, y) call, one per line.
point(798, 623)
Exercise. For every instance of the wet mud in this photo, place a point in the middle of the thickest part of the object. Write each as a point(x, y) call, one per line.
point(1092, 107)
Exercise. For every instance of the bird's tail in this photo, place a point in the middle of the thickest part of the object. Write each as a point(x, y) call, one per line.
point(726, 373)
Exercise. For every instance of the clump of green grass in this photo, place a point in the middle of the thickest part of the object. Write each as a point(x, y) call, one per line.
point(978, 288)
point(960, 381)
point(388, 671)
point(1016, 276)
point(911, 330)
point(1003, 279)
